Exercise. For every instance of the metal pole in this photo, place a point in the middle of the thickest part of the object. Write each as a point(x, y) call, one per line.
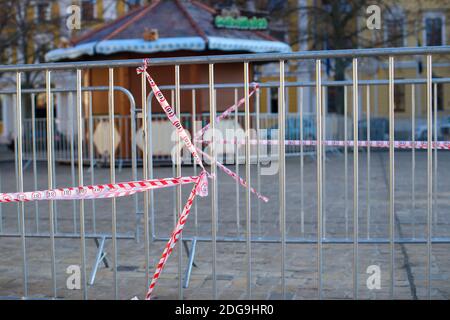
point(324, 167)
point(429, 173)
point(368, 161)
point(236, 125)
point(319, 173)
point(150, 166)
point(52, 146)
point(230, 58)
point(91, 160)
point(81, 182)
point(19, 138)
point(302, 213)
point(282, 175)
point(248, 203)
point(413, 160)
point(33, 139)
point(194, 130)
point(212, 119)
point(134, 166)
point(435, 158)
point(346, 160)
point(50, 175)
point(145, 138)
point(112, 164)
point(258, 155)
point(355, 178)
point(72, 157)
point(174, 190)
point(391, 174)
point(1, 212)
point(178, 170)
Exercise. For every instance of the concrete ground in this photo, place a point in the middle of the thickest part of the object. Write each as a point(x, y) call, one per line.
point(410, 260)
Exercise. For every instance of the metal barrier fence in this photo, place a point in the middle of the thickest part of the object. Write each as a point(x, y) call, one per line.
point(318, 237)
point(34, 148)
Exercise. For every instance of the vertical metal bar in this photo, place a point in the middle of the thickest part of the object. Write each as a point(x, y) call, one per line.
point(145, 138)
point(324, 167)
point(355, 177)
point(112, 164)
point(52, 146)
point(413, 158)
point(368, 160)
point(302, 213)
point(134, 166)
point(150, 166)
point(50, 175)
point(217, 177)
point(72, 158)
point(212, 119)
point(282, 175)
point(175, 213)
point(33, 139)
point(20, 179)
point(91, 160)
point(80, 131)
point(236, 125)
point(435, 158)
point(178, 160)
point(346, 160)
point(429, 173)
point(319, 173)
point(391, 174)
point(248, 204)
point(1, 212)
point(258, 155)
point(194, 164)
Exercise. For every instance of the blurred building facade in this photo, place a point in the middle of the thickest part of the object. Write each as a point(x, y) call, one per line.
point(46, 21)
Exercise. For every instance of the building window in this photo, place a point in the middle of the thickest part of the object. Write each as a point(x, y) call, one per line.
point(87, 10)
point(43, 11)
point(395, 28)
point(399, 98)
point(434, 29)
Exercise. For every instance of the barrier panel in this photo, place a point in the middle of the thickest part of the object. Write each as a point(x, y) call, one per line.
point(291, 213)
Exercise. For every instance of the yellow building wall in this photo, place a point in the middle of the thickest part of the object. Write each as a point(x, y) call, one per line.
point(412, 7)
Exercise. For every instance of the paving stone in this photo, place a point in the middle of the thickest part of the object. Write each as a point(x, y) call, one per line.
point(231, 264)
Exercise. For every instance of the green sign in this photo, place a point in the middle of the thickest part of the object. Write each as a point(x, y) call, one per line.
point(242, 23)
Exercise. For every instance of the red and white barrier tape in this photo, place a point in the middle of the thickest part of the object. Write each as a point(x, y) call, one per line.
point(441, 145)
point(170, 112)
point(128, 188)
point(227, 112)
point(233, 175)
point(98, 191)
point(200, 188)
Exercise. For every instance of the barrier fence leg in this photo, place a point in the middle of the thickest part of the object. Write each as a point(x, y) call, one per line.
point(191, 254)
point(100, 257)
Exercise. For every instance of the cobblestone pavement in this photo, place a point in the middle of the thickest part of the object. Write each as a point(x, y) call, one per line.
point(410, 260)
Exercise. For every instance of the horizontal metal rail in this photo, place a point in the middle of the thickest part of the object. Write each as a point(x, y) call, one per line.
point(233, 58)
point(327, 240)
